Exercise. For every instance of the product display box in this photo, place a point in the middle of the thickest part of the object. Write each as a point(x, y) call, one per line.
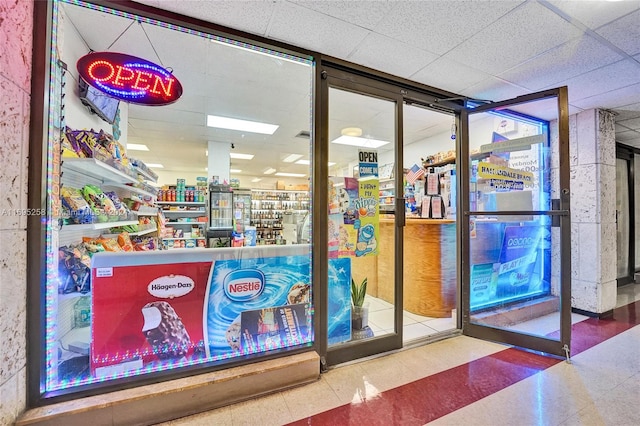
point(157, 310)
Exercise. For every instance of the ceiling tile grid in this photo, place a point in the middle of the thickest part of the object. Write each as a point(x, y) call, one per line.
point(398, 59)
point(312, 30)
point(352, 12)
point(595, 13)
point(624, 33)
point(439, 26)
point(568, 60)
point(449, 75)
point(510, 41)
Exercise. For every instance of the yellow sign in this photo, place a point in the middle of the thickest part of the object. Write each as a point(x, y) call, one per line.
point(493, 171)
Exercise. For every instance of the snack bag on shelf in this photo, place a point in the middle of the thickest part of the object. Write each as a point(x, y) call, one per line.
point(92, 246)
point(73, 274)
point(144, 243)
point(100, 203)
point(74, 202)
point(125, 242)
point(121, 208)
point(110, 244)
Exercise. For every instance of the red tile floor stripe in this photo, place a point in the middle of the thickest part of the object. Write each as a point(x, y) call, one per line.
point(427, 399)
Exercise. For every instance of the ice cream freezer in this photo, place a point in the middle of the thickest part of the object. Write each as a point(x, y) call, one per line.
point(152, 311)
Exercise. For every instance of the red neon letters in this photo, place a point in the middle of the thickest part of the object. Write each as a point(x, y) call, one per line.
point(129, 78)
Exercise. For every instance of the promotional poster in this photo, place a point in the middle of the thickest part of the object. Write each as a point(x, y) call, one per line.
point(155, 311)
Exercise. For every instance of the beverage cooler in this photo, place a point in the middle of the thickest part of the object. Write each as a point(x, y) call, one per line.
point(241, 209)
point(220, 215)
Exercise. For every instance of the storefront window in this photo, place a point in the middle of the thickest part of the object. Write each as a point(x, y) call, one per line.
point(175, 232)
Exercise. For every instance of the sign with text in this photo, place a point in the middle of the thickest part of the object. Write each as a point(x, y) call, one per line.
point(129, 78)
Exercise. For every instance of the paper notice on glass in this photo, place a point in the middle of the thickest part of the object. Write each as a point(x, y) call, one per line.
point(425, 208)
point(432, 184)
point(436, 207)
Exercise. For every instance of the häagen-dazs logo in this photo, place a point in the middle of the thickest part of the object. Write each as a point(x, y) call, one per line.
point(243, 285)
point(170, 286)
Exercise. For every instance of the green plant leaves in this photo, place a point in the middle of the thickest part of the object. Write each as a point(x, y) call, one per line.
point(358, 293)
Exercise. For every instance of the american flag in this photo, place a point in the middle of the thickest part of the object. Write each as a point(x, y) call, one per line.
point(414, 173)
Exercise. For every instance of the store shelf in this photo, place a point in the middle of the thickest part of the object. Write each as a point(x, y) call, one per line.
point(189, 238)
point(147, 211)
point(144, 174)
point(130, 188)
point(177, 222)
point(200, 212)
point(133, 234)
point(97, 170)
point(181, 203)
point(101, 225)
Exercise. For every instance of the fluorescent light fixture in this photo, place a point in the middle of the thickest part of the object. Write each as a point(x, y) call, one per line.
point(256, 180)
point(361, 142)
point(235, 171)
point(262, 51)
point(307, 162)
point(137, 147)
point(239, 156)
point(241, 125)
point(155, 166)
point(291, 158)
point(269, 171)
point(290, 174)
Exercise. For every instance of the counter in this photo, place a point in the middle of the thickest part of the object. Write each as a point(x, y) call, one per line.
point(429, 266)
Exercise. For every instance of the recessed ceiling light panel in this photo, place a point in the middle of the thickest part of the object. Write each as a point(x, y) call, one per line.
point(360, 142)
point(241, 125)
point(137, 147)
point(239, 156)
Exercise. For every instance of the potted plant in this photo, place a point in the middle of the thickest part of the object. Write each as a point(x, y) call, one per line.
point(359, 312)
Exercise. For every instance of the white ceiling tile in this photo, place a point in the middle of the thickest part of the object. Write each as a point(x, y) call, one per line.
point(596, 13)
point(624, 33)
point(438, 26)
point(313, 30)
point(494, 89)
point(569, 60)
point(612, 99)
point(627, 112)
point(610, 77)
point(449, 75)
point(632, 123)
point(249, 16)
point(527, 31)
point(629, 135)
point(399, 59)
point(363, 14)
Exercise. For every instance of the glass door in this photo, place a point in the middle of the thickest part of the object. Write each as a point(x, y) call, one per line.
point(516, 276)
point(364, 251)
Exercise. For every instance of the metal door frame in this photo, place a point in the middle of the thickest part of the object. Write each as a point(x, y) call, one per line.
point(561, 211)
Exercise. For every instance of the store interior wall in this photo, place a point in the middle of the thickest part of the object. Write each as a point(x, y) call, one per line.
point(15, 90)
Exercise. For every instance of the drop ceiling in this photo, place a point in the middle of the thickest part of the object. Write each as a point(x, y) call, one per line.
point(491, 50)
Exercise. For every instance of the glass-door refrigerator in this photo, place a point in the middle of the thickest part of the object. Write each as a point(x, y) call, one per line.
point(220, 215)
point(241, 209)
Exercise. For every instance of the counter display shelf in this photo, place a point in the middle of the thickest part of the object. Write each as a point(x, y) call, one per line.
point(429, 270)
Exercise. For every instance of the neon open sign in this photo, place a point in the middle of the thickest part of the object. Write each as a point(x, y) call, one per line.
point(129, 78)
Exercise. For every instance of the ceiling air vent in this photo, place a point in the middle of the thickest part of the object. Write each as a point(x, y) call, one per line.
point(305, 134)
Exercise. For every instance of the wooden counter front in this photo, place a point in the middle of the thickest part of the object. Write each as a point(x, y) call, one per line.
point(429, 266)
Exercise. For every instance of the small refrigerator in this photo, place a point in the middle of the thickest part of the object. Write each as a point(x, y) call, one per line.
point(220, 215)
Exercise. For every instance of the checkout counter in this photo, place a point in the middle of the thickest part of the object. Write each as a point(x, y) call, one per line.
point(429, 266)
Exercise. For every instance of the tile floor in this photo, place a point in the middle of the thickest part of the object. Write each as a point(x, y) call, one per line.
point(465, 381)
point(415, 327)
